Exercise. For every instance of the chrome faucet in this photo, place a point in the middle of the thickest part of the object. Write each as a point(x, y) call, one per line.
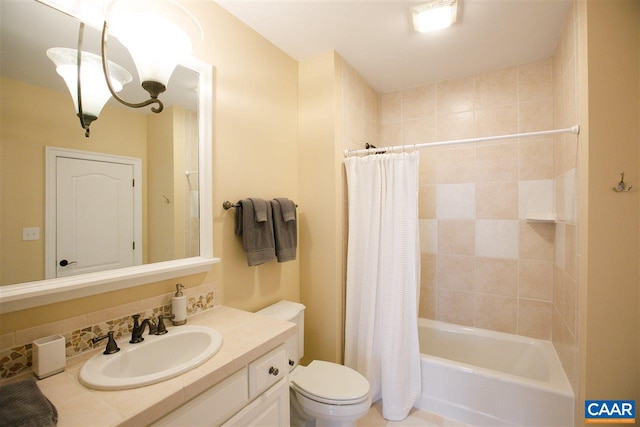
point(138, 329)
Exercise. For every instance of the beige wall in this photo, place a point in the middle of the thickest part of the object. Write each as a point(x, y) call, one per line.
point(321, 192)
point(609, 311)
point(25, 132)
point(255, 154)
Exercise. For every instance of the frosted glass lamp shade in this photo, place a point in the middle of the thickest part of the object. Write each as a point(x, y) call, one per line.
point(159, 34)
point(95, 92)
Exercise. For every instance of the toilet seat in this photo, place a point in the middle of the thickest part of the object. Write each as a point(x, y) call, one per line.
point(330, 383)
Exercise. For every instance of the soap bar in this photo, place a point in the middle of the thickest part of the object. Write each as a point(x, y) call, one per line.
point(49, 356)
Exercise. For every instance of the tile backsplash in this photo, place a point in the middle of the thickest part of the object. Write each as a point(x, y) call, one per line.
point(16, 358)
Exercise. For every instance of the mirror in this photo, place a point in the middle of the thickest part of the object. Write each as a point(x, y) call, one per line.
point(173, 148)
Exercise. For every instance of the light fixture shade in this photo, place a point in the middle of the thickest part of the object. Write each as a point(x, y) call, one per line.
point(434, 15)
point(159, 34)
point(95, 93)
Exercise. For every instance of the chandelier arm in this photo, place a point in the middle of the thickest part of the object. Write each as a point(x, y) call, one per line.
point(84, 125)
point(105, 68)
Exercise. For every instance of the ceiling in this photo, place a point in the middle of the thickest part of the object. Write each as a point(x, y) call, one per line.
point(377, 38)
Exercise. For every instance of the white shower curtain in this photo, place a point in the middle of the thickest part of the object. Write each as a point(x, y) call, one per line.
point(383, 270)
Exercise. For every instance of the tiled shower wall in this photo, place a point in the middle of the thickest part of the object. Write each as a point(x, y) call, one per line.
point(483, 263)
point(565, 324)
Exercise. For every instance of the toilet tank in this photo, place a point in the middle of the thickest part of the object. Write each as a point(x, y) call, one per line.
point(291, 312)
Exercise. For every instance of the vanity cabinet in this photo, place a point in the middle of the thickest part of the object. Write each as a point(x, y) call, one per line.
point(256, 395)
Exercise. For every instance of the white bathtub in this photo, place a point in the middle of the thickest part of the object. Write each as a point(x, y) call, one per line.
point(487, 378)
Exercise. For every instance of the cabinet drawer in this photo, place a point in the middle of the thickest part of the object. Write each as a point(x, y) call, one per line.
point(266, 371)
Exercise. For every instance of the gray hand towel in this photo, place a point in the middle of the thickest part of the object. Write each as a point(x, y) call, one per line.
point(23, 404)
point(288, 208)
point(285, 232)
point(257, 237)
point(260, 209)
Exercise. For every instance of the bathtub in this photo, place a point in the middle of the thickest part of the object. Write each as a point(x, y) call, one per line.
point(487, 378)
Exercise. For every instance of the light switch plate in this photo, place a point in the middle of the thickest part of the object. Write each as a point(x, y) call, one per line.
point(31, 233)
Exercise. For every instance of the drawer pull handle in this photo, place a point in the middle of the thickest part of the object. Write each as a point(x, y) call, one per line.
point(291, 362)
point(274, 371)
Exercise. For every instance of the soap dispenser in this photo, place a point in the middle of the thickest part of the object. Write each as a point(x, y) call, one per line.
point(179, 306)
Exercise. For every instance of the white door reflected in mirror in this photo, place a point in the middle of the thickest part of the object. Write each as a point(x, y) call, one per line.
point(95, 216)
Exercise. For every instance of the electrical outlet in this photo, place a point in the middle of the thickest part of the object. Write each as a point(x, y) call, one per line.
point(31, 233)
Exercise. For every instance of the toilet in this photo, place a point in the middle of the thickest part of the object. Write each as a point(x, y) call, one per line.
point(322, 393)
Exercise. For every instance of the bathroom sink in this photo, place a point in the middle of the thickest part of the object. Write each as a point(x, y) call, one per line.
point(157, 358)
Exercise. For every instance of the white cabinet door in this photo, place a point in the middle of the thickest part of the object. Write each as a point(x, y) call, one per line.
point(269, 410)
point(213, 406)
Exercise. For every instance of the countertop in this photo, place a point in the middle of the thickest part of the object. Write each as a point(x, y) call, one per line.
point(245, 335)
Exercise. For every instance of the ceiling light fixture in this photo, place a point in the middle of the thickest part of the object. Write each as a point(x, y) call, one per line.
point(159, 34)
point(84, 69)
point(434, 15)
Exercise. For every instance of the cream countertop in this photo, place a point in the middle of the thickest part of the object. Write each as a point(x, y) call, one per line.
point(245, 335)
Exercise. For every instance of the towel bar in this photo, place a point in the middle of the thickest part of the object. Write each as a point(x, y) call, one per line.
point(228, 205)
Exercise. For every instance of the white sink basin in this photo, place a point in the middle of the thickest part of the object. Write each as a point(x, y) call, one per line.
point(157, 358)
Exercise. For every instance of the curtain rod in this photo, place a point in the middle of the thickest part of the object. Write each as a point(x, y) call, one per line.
point(574, 129)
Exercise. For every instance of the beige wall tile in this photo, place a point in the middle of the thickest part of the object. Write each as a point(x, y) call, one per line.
point(427, 202)
point(26, 336)
point(535, 81)
point(497, 162)
point(455, 272)
point(497, 276)
point(492, 121)
point(497, 200)
point(535, 159)
point(428, 166)
point(455, 306)
point(455, 126)
point(419, 131)
point(535, 115)
point(536, 241)
point(390, 134)
point(496, 88)
point(419, 102)
point(456, 165)
point(534, 318)
point(370, 102)
point(355, 125)
point(536, 279)
point(427, 305)
point(427, 269)
point(7, 340)
point(570, 246)
point(355, 88)
point(390, 107)
point(456, 237)
point(115, 312)
point(496, 312)
point(455, 96)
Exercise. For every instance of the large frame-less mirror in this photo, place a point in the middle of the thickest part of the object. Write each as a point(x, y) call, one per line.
point(174, 231)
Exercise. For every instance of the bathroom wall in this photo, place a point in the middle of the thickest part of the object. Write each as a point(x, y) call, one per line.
point(483, 264)
point(609, 237)
point(255, 154)
point(566, 330)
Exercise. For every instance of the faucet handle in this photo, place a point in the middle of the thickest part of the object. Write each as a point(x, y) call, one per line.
point(153, 328)
point(162, 329)
point(112, 346)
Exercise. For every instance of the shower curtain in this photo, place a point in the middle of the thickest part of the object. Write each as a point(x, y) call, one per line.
point(383, 270)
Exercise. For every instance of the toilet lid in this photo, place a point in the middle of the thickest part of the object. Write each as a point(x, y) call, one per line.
point(331, 383)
